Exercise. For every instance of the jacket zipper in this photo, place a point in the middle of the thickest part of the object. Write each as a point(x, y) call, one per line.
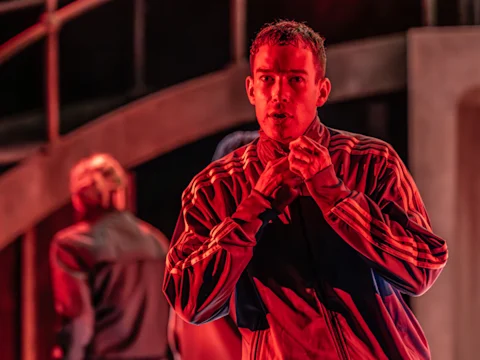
point(256, 334)
point(331, 321)
point(332, 325)
point(337, 335)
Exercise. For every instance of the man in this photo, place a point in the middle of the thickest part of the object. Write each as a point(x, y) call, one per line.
point(309, 235)
point(105, 272)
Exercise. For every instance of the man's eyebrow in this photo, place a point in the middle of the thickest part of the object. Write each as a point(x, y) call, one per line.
point(264, 70)
point(295, 71)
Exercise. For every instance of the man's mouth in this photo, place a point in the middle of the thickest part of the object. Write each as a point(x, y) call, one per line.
point(279, 116)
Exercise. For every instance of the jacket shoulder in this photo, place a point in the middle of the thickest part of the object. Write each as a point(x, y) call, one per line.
point(226, 170)
point(77, 233)
point(358, 144)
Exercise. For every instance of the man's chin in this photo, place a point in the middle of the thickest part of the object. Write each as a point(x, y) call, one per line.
point(285, 139)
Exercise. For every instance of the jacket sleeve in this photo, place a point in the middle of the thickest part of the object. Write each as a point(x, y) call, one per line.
point(72, 300)
point(390, 228)
point(209, 251)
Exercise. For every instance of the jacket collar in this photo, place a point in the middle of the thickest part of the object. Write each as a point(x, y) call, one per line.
point(269, 149)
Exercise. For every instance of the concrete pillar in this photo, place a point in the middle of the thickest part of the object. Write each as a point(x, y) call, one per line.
point(467, 274)
point(443, 68)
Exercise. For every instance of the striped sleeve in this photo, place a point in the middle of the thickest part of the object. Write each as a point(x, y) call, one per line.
point(393, 232)
point(208, 252)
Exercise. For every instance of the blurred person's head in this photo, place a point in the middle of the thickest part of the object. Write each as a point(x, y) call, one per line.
point(287, 81)
point(233, 141)
point(98, 185)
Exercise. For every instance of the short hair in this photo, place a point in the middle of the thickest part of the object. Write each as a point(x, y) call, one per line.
point(98, 181)
point(284, 32)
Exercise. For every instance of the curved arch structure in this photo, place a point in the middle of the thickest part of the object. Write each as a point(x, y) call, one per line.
point(135, 133)
point(173, 117)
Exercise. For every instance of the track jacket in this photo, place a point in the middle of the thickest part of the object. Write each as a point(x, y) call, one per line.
point(321, 280)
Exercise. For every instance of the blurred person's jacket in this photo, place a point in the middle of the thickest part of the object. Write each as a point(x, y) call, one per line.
point(107, 278)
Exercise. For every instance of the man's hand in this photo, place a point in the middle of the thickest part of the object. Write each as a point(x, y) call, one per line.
point(278, 184)
point(307, 157)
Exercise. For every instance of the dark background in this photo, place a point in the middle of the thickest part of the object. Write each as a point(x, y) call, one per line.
point(184, 39)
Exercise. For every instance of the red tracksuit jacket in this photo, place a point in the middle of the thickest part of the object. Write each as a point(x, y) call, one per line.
point(322, 280)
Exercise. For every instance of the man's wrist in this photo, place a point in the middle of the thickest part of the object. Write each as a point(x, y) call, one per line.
point(250, 211)
point(327, 189)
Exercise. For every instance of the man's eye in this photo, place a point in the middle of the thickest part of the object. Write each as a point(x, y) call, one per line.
point(296, 79)
point(266, 78)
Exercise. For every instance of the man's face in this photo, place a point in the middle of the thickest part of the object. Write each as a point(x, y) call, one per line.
point(284, 90)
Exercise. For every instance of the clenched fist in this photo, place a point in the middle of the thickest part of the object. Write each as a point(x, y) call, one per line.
point(278, 184)
point(307, 157)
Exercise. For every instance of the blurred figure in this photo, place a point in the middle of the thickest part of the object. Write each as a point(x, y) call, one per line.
point(219, 339)
point(233, 141)
point(106, 272)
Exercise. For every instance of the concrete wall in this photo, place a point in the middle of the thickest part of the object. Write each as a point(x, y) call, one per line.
point(444, 120)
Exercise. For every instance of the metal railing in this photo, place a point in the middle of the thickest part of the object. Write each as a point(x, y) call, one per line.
point(468, 12)
point(54, 18)
point(49, 26)
point(12, 5)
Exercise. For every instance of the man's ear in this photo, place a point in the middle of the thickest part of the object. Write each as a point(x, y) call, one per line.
point(325, 86)
point(249, 88)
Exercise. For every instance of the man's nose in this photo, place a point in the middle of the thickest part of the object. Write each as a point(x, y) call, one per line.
point(279, 91)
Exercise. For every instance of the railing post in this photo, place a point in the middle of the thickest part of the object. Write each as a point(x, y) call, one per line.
point(139, 46)
point(28, 307)
point(238, 30)
point(51, 73)
point(469, 12)
point(429, 12)
point(476, 12)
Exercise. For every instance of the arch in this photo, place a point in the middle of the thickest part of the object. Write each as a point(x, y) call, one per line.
point(135, 133)
point(194, 109)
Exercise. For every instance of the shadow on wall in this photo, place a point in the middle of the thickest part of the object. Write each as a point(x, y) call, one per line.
point(464, 259)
